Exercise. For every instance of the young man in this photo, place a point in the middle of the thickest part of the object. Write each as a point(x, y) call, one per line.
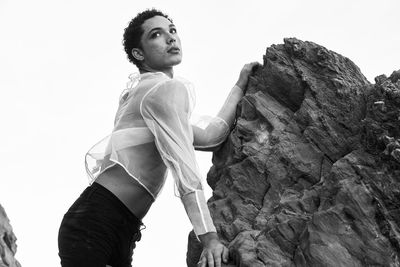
point(128, 168)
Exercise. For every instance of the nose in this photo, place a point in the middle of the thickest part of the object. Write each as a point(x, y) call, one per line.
point(171, 39)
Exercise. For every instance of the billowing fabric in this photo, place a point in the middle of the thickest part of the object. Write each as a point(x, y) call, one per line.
point(153, 133)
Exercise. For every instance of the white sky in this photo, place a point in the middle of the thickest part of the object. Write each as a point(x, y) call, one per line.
point(62, 68)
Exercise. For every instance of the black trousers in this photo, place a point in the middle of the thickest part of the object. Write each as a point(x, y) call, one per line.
point(98, 230)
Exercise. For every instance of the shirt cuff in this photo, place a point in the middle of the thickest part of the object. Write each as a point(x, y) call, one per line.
point(198, 212)
point(239, 88)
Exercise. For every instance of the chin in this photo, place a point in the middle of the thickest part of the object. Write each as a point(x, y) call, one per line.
point(176, 61)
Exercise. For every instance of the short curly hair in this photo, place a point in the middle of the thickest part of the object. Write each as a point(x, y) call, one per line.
point(133, 33)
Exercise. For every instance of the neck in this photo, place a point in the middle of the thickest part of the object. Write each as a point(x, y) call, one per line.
point(169, 71)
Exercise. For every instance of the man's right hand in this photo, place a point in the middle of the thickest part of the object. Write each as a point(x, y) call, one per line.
point(213, 251)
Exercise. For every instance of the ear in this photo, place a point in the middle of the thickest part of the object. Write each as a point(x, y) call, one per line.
point(137, 54)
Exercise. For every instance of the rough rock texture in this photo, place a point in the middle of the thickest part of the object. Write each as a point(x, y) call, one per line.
point(310, 175)
point(8, 247)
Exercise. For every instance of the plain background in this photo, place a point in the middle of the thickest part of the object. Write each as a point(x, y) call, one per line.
point(62, 69)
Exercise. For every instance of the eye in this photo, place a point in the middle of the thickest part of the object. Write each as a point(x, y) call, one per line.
point(155, 35)
point(172, 30)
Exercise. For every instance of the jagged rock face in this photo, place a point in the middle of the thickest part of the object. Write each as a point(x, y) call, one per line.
point(310, 175)
point(8, 246)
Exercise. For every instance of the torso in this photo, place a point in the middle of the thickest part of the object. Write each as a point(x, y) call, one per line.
point(144, 163)
point(127, 189)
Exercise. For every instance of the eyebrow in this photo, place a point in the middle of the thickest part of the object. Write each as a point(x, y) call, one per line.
point(159, 28)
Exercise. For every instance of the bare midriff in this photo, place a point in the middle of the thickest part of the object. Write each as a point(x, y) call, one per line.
point(128, 190)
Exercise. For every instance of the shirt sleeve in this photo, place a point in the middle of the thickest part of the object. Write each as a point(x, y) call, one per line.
point(166, 110)
point(209, 132)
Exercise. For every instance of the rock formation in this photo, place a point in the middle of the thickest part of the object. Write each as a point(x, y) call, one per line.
point(8, 246)
point(310, 174)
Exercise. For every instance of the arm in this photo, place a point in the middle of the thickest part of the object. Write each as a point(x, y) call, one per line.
point(166, 110)
point(213, 250)
point(210, 137)
point(217, 129)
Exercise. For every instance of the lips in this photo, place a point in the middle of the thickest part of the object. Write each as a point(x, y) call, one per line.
point(174, 50)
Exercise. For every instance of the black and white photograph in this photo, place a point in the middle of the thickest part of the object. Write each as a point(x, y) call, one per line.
point(199, 133)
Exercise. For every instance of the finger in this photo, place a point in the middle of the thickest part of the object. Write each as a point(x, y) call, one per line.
point(217, 259)
point(225, 254)
point(202, 262)
point(210, 259)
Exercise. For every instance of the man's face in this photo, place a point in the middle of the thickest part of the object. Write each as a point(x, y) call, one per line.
point(161, 46)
